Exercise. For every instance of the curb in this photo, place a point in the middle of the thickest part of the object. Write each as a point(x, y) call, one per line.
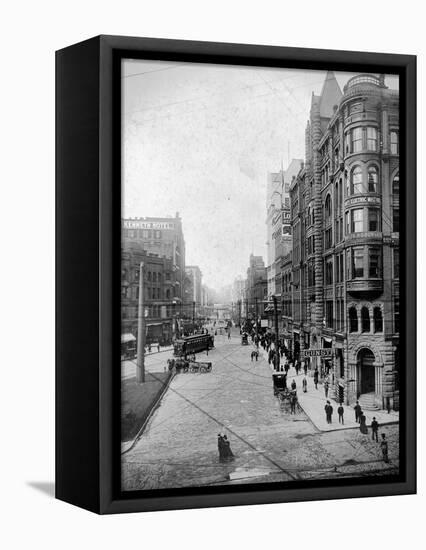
point(153, 408)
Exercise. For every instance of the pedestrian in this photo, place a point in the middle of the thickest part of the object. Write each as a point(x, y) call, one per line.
point(388, 406)
point(316, 378)
point(286, 367)
point(293, 403)
point(362, 425)
point(384, 448)
point(229, 334)
point(326, 388)
point(149, 348)
point(305, 385)
point(328, 412)
point(305, 368)
point(375, 430)
point(340, 412)
point(293, 384)
point(256, 355)
point(158, 348)
point(229, 455)
point(357, 410)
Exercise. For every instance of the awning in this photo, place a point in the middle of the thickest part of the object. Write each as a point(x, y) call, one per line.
point(297, 331)
point(127, 338)
point(326, 339)
point(269, 308)
point(156, 324)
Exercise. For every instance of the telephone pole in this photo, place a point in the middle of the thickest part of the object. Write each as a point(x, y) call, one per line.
point(257, 320)
point(140, 363)
point(277, 355)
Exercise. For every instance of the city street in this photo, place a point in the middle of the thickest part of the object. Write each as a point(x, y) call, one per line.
point(179, 444)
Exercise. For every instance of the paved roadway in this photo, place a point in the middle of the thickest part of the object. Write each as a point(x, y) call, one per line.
point(179, 445)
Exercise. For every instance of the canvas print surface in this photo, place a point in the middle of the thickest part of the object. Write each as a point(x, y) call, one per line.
point(259, 275)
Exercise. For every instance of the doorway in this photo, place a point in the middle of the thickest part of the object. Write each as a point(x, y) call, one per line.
point(367, 371)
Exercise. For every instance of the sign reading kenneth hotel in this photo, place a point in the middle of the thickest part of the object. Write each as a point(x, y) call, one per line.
point(135, 224)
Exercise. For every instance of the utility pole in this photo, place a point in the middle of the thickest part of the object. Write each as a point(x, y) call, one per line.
point(140, 363)
point(193, 315)
point(257, 323)
point(277, 355)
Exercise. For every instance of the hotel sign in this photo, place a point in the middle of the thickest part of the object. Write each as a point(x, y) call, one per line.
point(147, 225)
point(362, 200)
point(324, 352)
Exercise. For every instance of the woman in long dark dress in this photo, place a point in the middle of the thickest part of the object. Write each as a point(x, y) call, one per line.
point(362, 425)
point(229, 455)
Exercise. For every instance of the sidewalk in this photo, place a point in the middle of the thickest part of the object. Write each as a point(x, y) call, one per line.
point(314, 401)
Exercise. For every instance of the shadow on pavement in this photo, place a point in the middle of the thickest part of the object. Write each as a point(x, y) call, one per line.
point(46, 487)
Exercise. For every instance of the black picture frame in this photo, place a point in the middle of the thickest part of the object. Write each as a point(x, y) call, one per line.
point(88, 263)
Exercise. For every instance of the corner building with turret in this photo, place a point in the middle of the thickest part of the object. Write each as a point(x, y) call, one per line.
point(345, 227)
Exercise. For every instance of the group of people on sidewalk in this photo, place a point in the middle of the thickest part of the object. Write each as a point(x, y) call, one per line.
point(360, 418)
point(224, 447)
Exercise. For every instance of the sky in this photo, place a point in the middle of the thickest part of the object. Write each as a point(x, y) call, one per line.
point(200, 139)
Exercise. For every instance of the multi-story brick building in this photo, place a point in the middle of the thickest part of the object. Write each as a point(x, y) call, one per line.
point(345, 225)
point(158, 292)
point(159, 242)
point(256, 289)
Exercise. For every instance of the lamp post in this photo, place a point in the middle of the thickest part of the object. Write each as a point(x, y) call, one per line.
point(140, 363)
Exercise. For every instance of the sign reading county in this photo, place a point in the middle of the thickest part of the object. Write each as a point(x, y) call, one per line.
point(325, 352)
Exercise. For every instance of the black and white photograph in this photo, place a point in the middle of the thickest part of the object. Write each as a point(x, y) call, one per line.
point(260, 265)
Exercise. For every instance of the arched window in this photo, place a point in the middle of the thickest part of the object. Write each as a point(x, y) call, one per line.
point(373, 179)
point(378, 319)
point(395, 186)
point(365, 319)
point(327, 208)
point(353, 319)
point(357, 183)
point(168, 293)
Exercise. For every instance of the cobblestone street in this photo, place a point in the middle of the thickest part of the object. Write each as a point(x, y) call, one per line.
point(179, 445)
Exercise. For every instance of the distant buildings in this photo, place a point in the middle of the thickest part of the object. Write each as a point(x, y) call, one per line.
point(256, 287)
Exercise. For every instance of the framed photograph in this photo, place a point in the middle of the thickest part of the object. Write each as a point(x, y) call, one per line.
point(236, 288)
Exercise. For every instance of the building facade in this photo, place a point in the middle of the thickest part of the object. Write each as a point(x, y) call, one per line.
point(345, 226)
point(158, 290)
point(160, 244)
point(256, 287)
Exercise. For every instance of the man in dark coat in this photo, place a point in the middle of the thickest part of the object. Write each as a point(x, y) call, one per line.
point(384, 447)
point(293, 385)
point(328, 412)
point(316, 378)
point(340, 412)
point(375, 430)
point(357, 410)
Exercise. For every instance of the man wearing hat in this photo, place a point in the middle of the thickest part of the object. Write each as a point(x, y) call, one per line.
point(375, 430)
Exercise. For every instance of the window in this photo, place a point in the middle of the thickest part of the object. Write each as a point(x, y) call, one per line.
point(357, 220)
point(378, 319)
point(357, 263)
point(396, 315)
point(374, 260)
point(144, 233)
point(396, 263)
point(395, 218)
point(394, 143)
point(149, 276)
point(373, 219)
point(395, 187)
point(371, 139)
point(329, 313)
point(154, 277)
point(365, 319)
point(328, 238)
point(327, 209)
point(347, 143)
point(353, 319)
point(357, 183)
point(373, 179)
point(329, 272)
point(356, 140)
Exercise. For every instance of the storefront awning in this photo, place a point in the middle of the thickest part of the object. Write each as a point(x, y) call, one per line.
point(156, 324)
point(269, 308)
point(326, 339)
point(127, 338)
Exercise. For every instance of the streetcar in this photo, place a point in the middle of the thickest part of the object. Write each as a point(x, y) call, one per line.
point(192, 344)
